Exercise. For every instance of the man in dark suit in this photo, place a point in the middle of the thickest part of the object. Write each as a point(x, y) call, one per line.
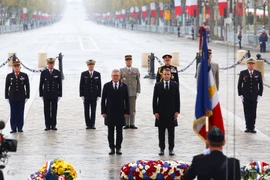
point(215, 165)
point(115, 109)
point(17, 92)
point(174, 72)
point(50, 90)
point(250, 89)
point(166, 107)
point(90, 91)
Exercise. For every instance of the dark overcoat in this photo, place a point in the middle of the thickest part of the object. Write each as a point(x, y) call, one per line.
point(166, 103)
point(115, 103)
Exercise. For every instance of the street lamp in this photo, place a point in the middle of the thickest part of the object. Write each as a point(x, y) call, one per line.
point(264, 4)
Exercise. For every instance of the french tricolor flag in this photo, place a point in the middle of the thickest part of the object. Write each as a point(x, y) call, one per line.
point(191, 6)
point(207, 97)
point(178, 7)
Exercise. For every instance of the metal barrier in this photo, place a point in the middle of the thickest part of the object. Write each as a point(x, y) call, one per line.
point(12, 28)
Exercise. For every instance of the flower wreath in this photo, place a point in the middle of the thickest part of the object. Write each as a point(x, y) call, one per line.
point(155, 169)
point(55, 170)
point(257, 170)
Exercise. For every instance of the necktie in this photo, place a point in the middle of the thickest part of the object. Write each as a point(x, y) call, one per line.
point(250, 73)
point(128, 69)
point(91, 74)
point(50, 71)
point(115, 86)
point(17, 74)
point(167, 86)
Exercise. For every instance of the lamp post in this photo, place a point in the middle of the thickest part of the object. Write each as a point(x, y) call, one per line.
point(264, 4)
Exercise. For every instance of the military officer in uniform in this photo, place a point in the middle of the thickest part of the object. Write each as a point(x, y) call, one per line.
point(250, 89)
point(174, 73)
point(214, 67)
point(214, 165)
point(50, 90)
point(131, 76)
point(90, 91)
point(17, 92)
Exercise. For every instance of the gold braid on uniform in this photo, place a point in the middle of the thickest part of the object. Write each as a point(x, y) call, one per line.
point(160, 73)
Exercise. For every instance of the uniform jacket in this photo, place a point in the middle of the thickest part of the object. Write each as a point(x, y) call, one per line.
point(132, 79)
point(213, 166)
point(174, 73)
point(90, 87)
point(215, 71)
point(263, 37)
point(166, 103)
point(115, 103)
point(17, 88)
point(50, 85)
point(250, 87)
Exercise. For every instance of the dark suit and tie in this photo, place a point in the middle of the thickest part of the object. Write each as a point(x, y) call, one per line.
point(90, 90)
point(166, 102)
point(17, 91)
point(115, 105)
point(50, 89)
point(250, 88)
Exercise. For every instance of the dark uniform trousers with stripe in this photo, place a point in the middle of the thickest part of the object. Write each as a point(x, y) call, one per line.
point(17, 89)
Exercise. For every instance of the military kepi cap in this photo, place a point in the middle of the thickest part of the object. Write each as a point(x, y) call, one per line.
point(128, 57)
point(16, 62)
point(167, 56)
point(251, 60)
point(50, 60)
point(90, 62)
point(215, 135)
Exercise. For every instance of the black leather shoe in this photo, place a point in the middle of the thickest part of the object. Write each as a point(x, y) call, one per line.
point(253, 131)
point(118, 152)
point(93, 127)
point(112, 152)
point(54, 128)
point(13, 131)
point(133, 127)
point(47, 129)
point(161, 152)
point(88, 127)
point(20, 130)
point(126, 127)
point(247, 131)
point(171, 153)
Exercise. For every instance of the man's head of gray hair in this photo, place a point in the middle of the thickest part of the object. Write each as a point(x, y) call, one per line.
point(115, 70)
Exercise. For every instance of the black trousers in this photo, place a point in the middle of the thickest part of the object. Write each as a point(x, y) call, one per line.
point(263, 46)
point(16, 115)
point(90, 120)
point(161, 137)
point(50, 112)
point(250, 108)
point(119, 137)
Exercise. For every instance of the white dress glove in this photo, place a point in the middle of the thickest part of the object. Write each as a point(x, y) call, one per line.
point(258, 97)
point(58, 99)
point(242, 97)
point(42, 98)
point(25, 100)
point(98, 98)
point(82, 98)
point(7, 100)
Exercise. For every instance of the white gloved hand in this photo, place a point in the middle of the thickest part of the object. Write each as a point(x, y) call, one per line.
point(7, 100)
point(98, 98)
point(58, 99)
point(137, 94)
point(82, 98)
point(25, 100)
point(206, 151)
point(258, 97)
point(242, 97)
point(42, 98)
